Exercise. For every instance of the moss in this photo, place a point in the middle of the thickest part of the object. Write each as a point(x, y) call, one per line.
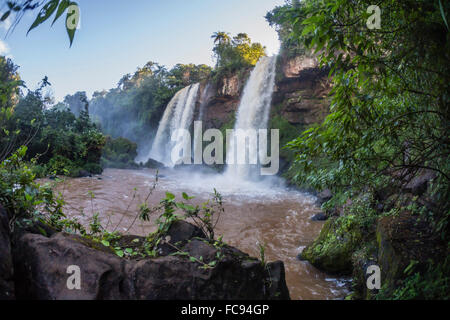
point(288, 132)
point(362, 259)
point(332, 251)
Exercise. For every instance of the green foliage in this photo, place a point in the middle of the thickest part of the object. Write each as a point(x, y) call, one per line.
point(26, 201)
point(262, 253)
point(9, 92)
point(389, 111)
point(235, 54)
point(286, 20)
point(119, 152)
point(204, 216)
point(433, 284)
point(389, 114)
point(341, 237)
point(47, 9)
point(133, 109)
point(61, 142)
point(288, 132)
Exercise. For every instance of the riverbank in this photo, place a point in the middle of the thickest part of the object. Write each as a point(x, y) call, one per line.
point(269, 215)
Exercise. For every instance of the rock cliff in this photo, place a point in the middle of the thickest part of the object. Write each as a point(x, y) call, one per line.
point(300, 97)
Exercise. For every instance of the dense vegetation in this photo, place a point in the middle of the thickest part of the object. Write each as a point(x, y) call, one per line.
point(387, 128)
point(235, 54)
point(134, 108)
point(389, 118)
point(60, 142)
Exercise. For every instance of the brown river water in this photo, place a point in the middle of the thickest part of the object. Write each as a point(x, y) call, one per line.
point(265, 213)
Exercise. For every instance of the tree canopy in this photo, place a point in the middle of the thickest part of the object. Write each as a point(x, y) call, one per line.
point(235, 53)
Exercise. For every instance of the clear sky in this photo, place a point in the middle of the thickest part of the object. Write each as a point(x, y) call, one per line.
point(117, 36)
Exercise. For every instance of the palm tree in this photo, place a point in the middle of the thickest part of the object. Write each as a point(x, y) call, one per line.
point(221, 37)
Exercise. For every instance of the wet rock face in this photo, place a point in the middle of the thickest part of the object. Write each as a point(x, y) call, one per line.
point(301, 92)
point(6, 264)
point(303, 99)
point(222, 105)
point(292, 67)
point(231, 86)
point(41, 266)
point(404, 238)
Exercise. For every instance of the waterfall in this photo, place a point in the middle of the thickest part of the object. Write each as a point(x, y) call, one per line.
point(253, 113)
point(178, 115)
point(204, 99)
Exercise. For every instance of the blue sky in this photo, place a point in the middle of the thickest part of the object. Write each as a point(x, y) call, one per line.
point(117, 36)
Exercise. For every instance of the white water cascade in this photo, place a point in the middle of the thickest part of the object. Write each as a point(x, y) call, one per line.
point(253, 113)
point(178, 115)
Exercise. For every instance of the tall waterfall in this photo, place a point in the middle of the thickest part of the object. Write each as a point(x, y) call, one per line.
point(178, 115)
point(253, 113)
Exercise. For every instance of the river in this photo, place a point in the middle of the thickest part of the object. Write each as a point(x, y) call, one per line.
point(269, 214)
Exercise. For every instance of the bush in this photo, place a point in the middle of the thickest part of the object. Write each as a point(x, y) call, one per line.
point(119, 153)
point(93, 168)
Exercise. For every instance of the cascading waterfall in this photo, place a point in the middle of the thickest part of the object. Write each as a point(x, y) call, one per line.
point(253, 113)
point(204, 99)
point(178, 115)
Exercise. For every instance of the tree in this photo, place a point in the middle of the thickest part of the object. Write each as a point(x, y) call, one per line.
point(77, 103)
point(389, 117)
point(238, 53)
point(221, 37)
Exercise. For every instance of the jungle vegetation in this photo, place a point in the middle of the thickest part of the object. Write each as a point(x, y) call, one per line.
point(389, 117)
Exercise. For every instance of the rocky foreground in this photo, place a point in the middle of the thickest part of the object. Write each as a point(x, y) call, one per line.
point(35, 266)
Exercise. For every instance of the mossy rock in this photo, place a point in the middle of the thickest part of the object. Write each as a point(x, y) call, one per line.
point(332, 251)
point(362, 259)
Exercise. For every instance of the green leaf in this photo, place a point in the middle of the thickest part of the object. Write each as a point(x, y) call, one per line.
point(5, 16)
point(105, 243)
point(186, 197)
point(192, 259)
point(443, 14)
point(44, 14)
point(42, 231)
point(62, 7)
point(72, 19)
point(212, 263)
point(170, 196)
point(119, 253)
point(180, 253)
point(129, 250)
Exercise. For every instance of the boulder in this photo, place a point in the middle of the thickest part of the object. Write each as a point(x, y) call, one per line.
point(6, 264)
point(419, 184)
point(83, 174)
point(324, 196)
point(332, 250)
point(178, 235)
point(362, 260)
point(153, 164)
point(319, 217)
point(401, 239)
point(42, 263)
point(41, 269)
